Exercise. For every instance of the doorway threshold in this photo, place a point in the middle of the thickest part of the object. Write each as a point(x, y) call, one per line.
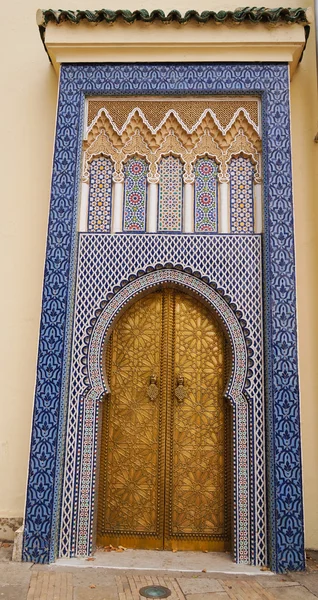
point(154, 560)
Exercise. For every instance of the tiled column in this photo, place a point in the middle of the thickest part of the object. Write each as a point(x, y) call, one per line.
point(117, 217)
point(152, 207)
point(83, 220)
point(224, 209)
point(258, 208)
point(188, 208)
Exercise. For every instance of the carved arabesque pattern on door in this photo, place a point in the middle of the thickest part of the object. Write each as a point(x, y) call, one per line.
point(163, 457)
point(197, 451)
point(132, 427)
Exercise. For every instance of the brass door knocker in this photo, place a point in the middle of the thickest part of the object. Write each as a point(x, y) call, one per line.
point(153, 389)
point(180, 391)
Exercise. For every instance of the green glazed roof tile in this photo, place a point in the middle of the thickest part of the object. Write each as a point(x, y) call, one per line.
point(239, 15)
point(253, 15)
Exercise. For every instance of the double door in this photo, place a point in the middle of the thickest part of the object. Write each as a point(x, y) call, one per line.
point(164, 467)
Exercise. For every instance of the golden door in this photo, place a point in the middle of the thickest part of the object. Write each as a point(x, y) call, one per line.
point(164, 476)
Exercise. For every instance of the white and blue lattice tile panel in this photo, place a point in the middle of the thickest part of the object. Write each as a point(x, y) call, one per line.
point(233, 265)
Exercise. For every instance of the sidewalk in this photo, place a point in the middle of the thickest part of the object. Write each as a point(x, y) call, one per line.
point(21, 581)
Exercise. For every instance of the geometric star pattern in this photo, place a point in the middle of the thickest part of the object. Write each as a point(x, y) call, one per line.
point(241, 173)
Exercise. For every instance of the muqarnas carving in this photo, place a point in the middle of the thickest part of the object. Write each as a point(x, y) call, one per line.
point(202, 143)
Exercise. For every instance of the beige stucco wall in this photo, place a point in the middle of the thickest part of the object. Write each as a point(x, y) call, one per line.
point(28, 103)
point(304, 112)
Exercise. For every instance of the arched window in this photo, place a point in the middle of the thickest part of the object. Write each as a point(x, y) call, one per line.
point(100, 195)
point(135, 194)
point(242, 195)
point(170, 194)
point(206, 196)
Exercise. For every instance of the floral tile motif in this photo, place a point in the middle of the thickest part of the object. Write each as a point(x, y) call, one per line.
point(170, 194)
point(100, 195)
point(135, 194)
point(206, 195)
point(241, 195)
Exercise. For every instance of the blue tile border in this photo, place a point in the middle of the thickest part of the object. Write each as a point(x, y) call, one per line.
point(271, 81)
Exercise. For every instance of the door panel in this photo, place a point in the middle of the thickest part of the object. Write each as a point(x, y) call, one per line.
point(195, 506)
point(132, 456)
point(164, 460)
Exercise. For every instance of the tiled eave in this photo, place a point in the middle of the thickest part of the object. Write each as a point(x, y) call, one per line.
point(253, 15)
point(266, 35)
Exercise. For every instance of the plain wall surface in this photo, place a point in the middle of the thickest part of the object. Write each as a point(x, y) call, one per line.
point(28, 107)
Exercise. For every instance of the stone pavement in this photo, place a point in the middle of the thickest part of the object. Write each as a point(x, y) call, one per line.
point(22, 581)
point(103, 585)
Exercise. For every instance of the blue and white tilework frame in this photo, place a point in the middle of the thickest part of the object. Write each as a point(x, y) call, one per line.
point(105, 262)
point(271, 82)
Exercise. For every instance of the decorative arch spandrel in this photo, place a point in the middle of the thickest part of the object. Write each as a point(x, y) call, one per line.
point(99, 386)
